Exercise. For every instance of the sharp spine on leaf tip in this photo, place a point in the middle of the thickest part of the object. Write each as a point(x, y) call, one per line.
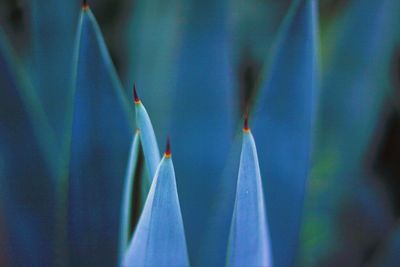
point(167, 153)
point(135, 95)
point(85, 5)
point(246, 128)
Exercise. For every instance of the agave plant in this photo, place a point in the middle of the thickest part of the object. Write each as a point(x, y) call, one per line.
point(257, 166)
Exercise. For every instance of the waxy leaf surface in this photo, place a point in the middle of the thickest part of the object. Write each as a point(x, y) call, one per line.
point(283, 127)
point(159, 238)
point(249, 237)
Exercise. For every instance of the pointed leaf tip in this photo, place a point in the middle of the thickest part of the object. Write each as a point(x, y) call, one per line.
point(135, 95)
point(85, 5)
point(157, 241)
point(168, 148)
point(246, 123)
point(249, 226)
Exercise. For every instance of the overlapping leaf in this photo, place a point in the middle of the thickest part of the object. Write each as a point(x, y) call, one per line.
point(101, 133)
point(202, 110)
point(249, 236)
point(159, 238)
point(134, 198)
point(147, 137)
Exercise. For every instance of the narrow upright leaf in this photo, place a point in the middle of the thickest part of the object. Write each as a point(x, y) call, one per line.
point(249, 236)
point(159, 238)
point(128, 189)
point(283, 127)
point(101, 133)
point(147, 136)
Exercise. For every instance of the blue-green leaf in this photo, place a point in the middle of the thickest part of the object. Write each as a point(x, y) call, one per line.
point(159, 238)
point(203, 109)
point(101, 133)
point(53, 25)
point(28, 167)
point(152, 36)
point(249, 236)
point(283, 127)
point(147, 137)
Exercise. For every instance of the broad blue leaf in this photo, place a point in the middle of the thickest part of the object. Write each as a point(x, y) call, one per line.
point(202, 110)
point(249, 236)
point(283, 127)
point(28, 167)
point(215, 240)
point(159, 238)
point(147, 137)
point(101, 135)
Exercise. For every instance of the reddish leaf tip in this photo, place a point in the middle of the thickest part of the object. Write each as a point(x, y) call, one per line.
point(168, 149)
point(135, 95)
point(246, 122)
point(85, 5)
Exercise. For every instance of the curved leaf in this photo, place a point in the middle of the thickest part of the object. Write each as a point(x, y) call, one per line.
point(147, 137)
point(283, 127)
point(159, 238)
point(249, 236)
point(101, 133)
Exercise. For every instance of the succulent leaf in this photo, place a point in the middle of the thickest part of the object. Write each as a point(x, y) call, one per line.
point(159, 238)
point(249, 235)
point(101, 133)
point(147, 137)
point(150, 64)
point(283, 127)
point(53, 25)
point(202, 109)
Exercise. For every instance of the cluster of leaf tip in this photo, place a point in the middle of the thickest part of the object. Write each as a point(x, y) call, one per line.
point(159, 239)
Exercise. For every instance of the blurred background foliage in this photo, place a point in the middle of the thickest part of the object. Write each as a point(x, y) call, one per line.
point(221, 49)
